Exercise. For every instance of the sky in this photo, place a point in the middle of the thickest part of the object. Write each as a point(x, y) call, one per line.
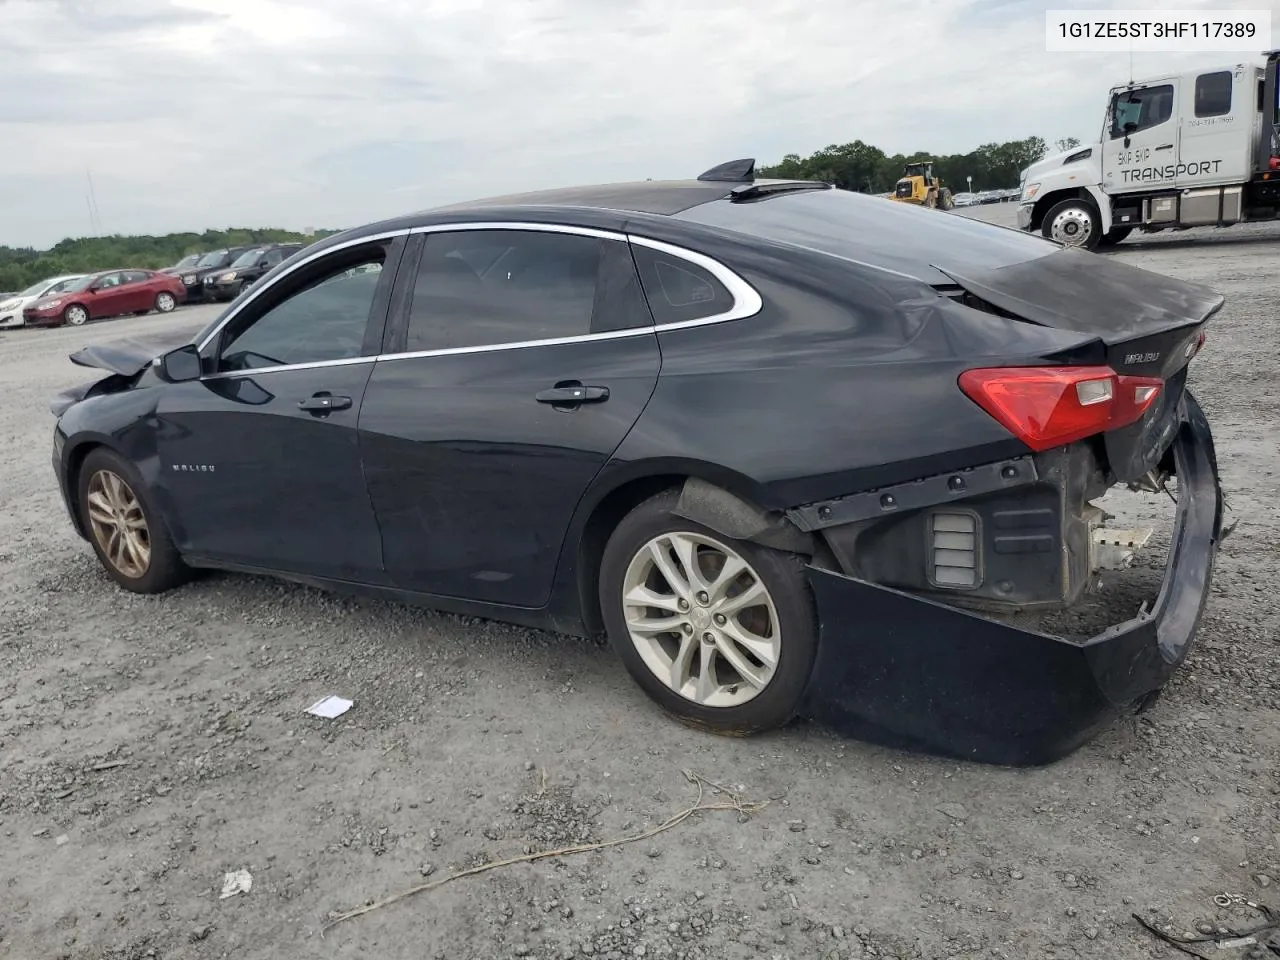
point(195, 114)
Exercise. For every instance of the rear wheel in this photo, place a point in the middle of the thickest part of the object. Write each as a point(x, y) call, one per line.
point(127, 534)
point(1073, 223)
point(1114, 236)
point(720, 632)
point(76, 315)
point(165, 302)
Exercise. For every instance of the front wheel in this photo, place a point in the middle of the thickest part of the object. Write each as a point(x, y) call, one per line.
point(165, 302)
point(945, 200)
point(720, 632)
point(127, 534)
point(1072, 223)
point(76, 315)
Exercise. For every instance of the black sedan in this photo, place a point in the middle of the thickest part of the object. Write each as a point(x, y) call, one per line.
point(244, 271)
point(794, 450)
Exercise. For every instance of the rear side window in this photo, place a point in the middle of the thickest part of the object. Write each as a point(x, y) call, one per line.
point(1213, 94)
point(136, 276)
point(677, 290)
point(478, 288)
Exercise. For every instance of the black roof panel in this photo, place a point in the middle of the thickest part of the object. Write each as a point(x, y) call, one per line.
point(666, 197)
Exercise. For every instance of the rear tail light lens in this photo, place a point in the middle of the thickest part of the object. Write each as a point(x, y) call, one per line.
point(1047, 407)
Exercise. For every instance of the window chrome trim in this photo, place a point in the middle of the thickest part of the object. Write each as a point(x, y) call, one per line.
point(259, 287)
point(747, 302)
point(311, 365)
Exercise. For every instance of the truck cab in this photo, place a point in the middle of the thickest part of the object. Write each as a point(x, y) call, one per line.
point(1184, 150)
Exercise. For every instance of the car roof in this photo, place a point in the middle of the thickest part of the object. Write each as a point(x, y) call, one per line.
point(665, 197)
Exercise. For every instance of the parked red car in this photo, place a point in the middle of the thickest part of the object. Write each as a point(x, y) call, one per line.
point(111, 293)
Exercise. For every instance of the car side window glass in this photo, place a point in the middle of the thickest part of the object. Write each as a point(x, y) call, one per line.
point(136, 276)
point(477, 288)
point(1213, 94)
point(679, 291)
point(1137, 110)
point(109, 280)
point(323, 320)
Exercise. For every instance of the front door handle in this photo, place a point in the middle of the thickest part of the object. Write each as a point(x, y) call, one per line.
point(1167, 146)
point(572, 394)
point(324, 403)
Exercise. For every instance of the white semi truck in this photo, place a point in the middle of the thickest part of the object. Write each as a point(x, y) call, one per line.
point(1185, 150)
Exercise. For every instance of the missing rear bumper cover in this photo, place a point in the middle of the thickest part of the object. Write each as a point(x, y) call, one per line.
point(927, 492)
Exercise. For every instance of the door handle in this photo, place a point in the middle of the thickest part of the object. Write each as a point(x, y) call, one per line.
point(572, 393)
point(324, 403)
point(1167, 146)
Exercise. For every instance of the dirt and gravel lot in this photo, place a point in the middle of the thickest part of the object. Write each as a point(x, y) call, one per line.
point(149, 746)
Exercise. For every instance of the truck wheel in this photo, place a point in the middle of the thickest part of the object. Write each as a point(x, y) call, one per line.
point(720, 632)
point(1114, 236)
point(945, 200)
point(1072, 223)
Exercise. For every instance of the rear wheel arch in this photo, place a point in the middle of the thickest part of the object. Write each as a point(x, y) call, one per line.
point(732, 513)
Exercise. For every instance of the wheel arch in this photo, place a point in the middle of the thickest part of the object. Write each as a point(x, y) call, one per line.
point(722, 500)
point(1091, 195)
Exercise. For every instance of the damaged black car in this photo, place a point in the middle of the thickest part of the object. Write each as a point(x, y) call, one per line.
point(796, 451)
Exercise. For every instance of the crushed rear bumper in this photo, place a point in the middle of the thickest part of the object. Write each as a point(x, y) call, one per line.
point(907, 672)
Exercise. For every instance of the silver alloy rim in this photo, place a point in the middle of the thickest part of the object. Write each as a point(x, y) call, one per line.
point(76, 316)
point(701, 619)
point(164, 303)
point(1072, 227)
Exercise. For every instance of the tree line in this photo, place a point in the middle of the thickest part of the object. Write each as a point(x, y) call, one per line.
point(868, 169)
point(21, 267)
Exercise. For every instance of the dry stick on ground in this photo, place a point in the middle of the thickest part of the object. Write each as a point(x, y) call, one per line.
point(734, 802)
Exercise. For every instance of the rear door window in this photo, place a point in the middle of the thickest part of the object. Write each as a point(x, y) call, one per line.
point(677, 290)
point(492, 288)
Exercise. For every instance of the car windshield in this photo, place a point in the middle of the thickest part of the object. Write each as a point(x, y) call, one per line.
point(36, 289)
point(873, 230)
point(248, 258)
point(81, 284)
point(215, 259)
point(188, 261)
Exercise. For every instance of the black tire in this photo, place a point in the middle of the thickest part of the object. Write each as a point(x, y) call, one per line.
point(945, 200)
point(782, 574)
point(164, 569)
point(1076, 210)
point(75, 315)
point(1114, 235)
point(166, 302)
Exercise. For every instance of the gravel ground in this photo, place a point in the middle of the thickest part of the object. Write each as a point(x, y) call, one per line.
point(149, 746)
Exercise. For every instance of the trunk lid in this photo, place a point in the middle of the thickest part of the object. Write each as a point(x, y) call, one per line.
point(1150, 325)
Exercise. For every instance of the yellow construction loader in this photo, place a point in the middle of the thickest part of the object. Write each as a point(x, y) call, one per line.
point(918, 185)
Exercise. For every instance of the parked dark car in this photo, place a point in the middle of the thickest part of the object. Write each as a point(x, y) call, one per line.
point(186, 263)
point(209, 263)
point(796, 451)
point(111, 293)
point(245, 270)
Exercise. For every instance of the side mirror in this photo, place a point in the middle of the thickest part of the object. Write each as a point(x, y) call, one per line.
point(182, 364)
point(262, 262)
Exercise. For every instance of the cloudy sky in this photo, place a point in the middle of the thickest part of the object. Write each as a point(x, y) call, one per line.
point(296, 113)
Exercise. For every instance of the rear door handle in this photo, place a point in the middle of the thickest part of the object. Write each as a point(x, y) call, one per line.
point(324, 403)
point(1167, 146)
point(572, 394)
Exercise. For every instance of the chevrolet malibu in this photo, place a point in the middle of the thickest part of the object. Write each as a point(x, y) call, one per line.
point(795, 451)
point(112, 293)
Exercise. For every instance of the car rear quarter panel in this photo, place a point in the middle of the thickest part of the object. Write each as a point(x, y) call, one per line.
point(846, 380)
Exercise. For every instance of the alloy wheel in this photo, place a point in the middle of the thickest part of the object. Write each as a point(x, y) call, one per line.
point(119, 524)
point(77, 315)
point(165, 302)
point(701, 619)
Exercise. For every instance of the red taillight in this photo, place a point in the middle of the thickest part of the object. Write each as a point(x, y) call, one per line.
point(1047, 407)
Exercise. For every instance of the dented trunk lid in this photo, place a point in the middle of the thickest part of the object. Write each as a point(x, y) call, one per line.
point(1149, 325)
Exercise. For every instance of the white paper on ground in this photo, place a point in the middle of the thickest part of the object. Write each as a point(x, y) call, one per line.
point(239, 882)
point(329, 707)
